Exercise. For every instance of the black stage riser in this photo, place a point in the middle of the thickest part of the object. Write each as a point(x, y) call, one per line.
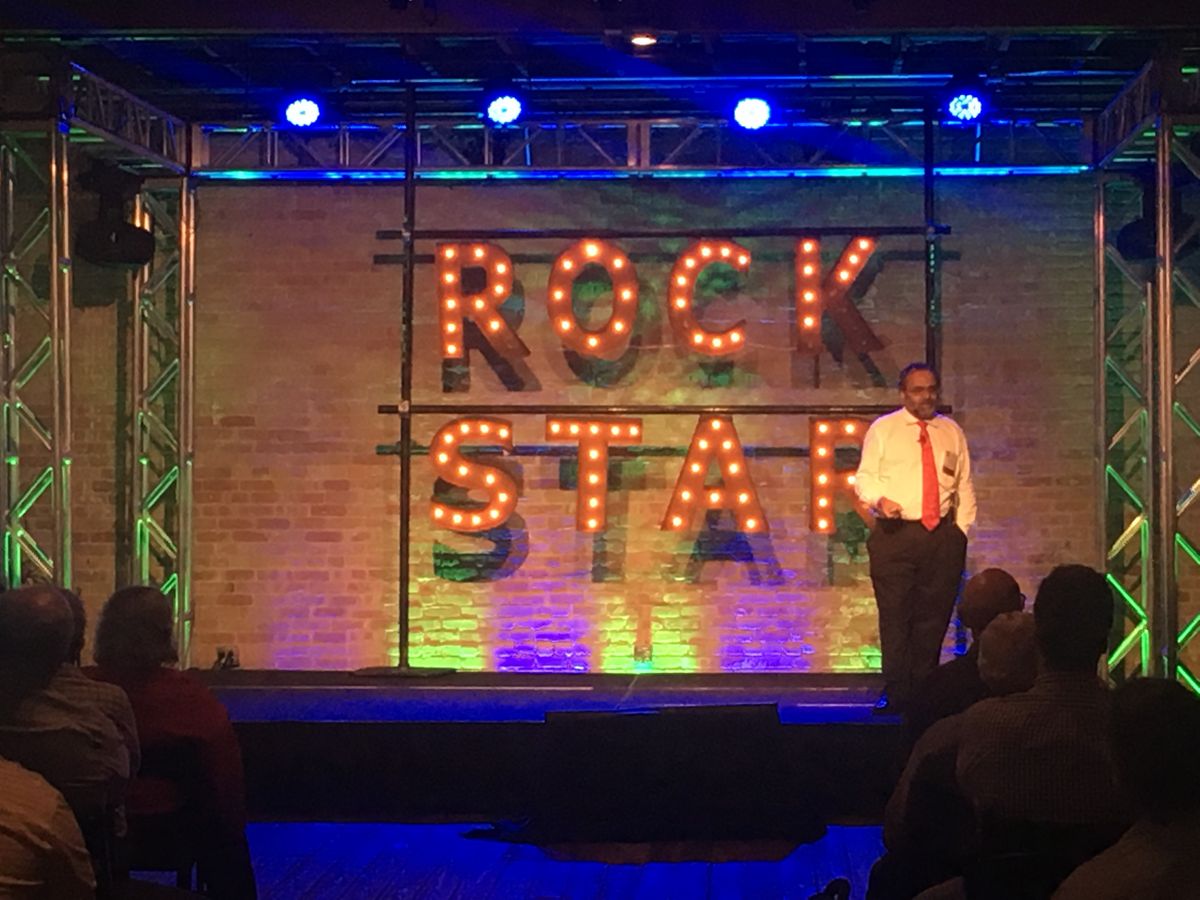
point(586, 775)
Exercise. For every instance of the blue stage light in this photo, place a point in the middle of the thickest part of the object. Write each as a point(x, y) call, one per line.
point(752, 113)
point(965, 106)
point(504, 109)
point(302, 112)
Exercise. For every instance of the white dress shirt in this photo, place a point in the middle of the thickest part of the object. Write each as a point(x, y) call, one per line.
point(891, 466)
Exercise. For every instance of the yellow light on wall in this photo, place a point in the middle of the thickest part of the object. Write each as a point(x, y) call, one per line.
point(611, 340)
point(735, 490)
point(483, 306)
point(595, 436)
point(688, 266)
point(452, 467)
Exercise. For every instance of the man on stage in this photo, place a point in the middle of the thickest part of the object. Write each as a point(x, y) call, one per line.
point(915, 475)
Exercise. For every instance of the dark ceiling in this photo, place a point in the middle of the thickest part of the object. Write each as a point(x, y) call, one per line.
point(221, 61)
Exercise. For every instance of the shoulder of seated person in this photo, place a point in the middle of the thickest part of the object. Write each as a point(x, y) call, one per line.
point(985, 708)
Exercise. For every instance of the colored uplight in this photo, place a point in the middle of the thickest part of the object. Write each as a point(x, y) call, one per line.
point(622, 174)
point(965, 106)
point(752, 113)
point(504, 109)
point(302, 112)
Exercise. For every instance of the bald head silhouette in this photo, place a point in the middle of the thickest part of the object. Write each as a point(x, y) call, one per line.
point(35, 634)
point(986, 595)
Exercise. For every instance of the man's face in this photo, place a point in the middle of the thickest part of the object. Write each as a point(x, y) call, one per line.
point(919, 394)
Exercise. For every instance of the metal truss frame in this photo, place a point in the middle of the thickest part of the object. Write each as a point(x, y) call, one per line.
point(123, 120)
point(162, 297)
point(629, 144)
point(28, 353)
point(81, 107)
point(1139, 407)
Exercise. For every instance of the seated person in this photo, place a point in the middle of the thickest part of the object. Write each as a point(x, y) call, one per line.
point(955, 685)
point(108, 698)
point(192, 763)
point(47, 724)
point(1036, 766)
point(1156, 745)
point(42, 854)
point(928, 824)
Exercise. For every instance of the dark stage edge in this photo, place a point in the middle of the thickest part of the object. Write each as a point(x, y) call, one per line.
point(558, 747)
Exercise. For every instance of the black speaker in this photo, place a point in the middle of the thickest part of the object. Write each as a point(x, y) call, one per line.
point(110, 240)
point(114, 243)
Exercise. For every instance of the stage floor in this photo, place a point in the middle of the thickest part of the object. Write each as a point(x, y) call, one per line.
point(328, 861)
point(297, 696)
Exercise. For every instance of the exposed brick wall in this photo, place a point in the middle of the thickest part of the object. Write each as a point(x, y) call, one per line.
point(298, 339)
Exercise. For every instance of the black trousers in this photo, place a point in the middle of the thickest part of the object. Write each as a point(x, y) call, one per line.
point(916, 574)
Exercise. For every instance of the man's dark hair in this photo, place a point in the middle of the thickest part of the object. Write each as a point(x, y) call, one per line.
point(136, 630)
point(917, 367)
point(1156, 743)
point(1073, 614)
point(35, 633)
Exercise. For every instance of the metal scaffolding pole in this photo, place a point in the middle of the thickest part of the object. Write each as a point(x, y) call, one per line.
point(60, 337)
point(163, 385)
point(9, 287)
point(186, 298)
point(1163, 593)
point(403, 669)
point(34, 226)
point(933, 297)
point(1100, 372)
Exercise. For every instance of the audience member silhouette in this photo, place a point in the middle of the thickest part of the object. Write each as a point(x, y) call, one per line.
point(928, 824)
point(192, 768)
point(42, 853)
point(1036, 766)
point(955, 685)
point(1156, 745)
point(107, 698)
point(47, 724)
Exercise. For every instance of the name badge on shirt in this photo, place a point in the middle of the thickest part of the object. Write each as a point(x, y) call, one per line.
point(950, 463)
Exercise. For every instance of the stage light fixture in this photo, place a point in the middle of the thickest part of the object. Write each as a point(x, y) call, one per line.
point(302, 112)
point(752, 113)
point(503, 107)
point(643, 39)
point(965, 106)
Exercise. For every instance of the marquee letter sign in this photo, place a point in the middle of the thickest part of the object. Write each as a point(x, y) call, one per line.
point(826, 481)
point(455, 304)
point(816, 293)
point(610, 341)
point(474, 279)
point(715, 439)
point(681, 292)
point(594, 437)
point(451, 466)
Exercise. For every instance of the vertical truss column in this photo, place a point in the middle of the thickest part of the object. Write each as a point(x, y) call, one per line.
point(1140, 406)
point(163, 389)
point(1181, 621)
point(1163, 513)
point(34, 229)
point(60, 337)
point(1122, 337)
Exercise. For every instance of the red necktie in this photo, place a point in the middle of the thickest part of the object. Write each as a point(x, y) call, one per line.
point(931, 499)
